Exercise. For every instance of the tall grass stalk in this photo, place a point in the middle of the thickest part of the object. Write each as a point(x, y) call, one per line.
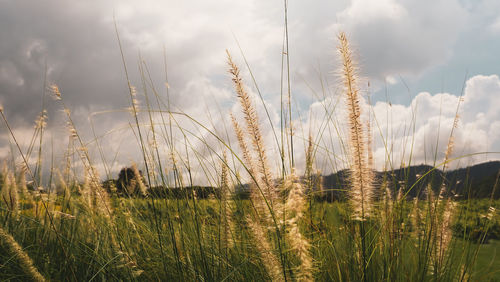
point(361, 176)
point(260, 173)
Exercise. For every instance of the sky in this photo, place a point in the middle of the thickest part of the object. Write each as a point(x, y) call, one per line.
point(415, 59)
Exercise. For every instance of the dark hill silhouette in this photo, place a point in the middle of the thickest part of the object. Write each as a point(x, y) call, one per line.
point(476, 181)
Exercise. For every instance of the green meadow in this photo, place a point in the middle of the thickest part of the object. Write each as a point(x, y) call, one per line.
point(259, 219)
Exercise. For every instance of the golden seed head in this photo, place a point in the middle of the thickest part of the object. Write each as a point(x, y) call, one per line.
point(361, 175)
point(14, 249)
point(491, 213)
point(55, 91)
point(41, 120)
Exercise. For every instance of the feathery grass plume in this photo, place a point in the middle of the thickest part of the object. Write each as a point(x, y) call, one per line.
point(135, 102)
point(269, 259)
point(388, 202)
point(247, 157)
point(25, 261)
point(96, 199)
point(86, 191)
point(295, 206)
point(416, 216)
point(128, 215)
point(369, 146)
point(444, 202)
point(445, 233)
point(9, 191)
point(22, 186)
point(429, 193)
point(309, 164)
point(139, 180)
point(226, 194)
point(260, 172)
point(451, 139)
point(318, 180)
point(21, 181)
point(100, 197)
point(13, 193)
point(178, 176)
point(94, 194)
point(444, 210)
point(67, 157)
point(253, 131)
point(65, 191)
point(401, 190)
point(41, 120)
point(55, 91)
point(449, 150)
point(361, 177)
point(258, 202)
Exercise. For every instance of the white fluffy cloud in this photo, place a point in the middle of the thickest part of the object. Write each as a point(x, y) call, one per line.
point(422, 129)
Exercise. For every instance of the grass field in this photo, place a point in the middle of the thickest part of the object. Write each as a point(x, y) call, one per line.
point(488, 262)
point(129, 248)
point(81, 228)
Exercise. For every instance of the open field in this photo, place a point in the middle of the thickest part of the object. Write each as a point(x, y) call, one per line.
point(129, 248)
point(260, 217)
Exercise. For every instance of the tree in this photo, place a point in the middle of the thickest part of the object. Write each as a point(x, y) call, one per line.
point(131, 182)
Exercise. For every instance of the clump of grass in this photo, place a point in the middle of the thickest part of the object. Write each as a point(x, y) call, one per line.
point(267, 201)
point(254, 134)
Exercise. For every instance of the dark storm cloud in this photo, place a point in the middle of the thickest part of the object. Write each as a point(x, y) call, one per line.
point(78, 43)
point(78, 49)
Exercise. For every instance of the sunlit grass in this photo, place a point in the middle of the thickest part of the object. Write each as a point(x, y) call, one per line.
point(255, 223)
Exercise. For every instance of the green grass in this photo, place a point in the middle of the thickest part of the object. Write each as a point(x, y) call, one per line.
point(279, 232)
point(488, 262)
point(93, 255)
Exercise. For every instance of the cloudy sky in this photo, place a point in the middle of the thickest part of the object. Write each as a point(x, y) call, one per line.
point(415, 58)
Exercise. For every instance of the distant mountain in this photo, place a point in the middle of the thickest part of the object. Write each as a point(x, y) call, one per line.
point(475, 181)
